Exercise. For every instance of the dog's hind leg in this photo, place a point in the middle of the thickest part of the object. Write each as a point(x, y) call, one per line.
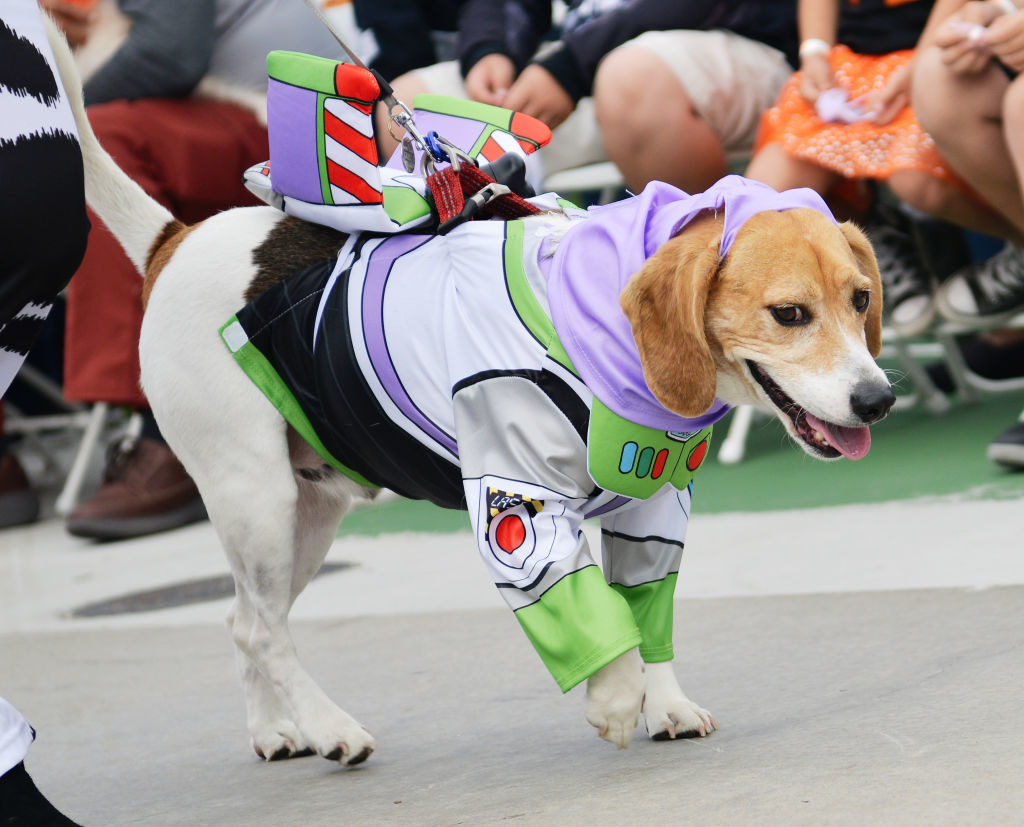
point(324, 497)
point(234, 444)
point(273, 559)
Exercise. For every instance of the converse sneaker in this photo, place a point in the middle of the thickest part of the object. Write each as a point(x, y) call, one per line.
point(145, 490)
point(989, 292)
point(1008, 448)
point(908, 294)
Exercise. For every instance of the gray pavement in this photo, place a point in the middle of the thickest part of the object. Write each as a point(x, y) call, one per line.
point(887, 707)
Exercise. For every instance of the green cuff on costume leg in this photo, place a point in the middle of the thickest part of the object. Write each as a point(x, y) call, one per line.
point(578, 626)
point(652, 607)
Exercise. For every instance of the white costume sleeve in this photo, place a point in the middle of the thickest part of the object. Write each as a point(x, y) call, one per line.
point(15, 737)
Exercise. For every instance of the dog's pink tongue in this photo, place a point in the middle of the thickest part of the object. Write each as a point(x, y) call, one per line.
point(852, 443)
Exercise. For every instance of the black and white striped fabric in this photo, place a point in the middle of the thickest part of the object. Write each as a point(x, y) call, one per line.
point(43, 225)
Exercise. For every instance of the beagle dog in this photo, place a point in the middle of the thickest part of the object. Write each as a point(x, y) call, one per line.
point(535, 373)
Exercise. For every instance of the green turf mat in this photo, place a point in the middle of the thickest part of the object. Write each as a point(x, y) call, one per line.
point(913, 454)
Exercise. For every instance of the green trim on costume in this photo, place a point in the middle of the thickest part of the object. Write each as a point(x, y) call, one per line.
point(460, 108)
point(652, 606)
point(525, 302)
point(578, 626)
point(637, 461)
point(258, 368)
point(403, 204)
point(299, 69)
point(478, 147)
point(321, 151)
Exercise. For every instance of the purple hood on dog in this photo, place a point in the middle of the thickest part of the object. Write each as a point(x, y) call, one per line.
point(595, 260)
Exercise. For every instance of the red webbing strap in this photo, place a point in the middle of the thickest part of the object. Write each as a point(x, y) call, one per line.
point(451, 189)
point(447, 191)
point(505, 207)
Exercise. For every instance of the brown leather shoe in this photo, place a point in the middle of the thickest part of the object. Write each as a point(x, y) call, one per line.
point(19, 502)
point(145, 490)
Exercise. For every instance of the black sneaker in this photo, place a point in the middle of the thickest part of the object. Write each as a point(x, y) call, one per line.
point(22, 805)
point(1008, 448)
point(989, 292)
point(908, 292)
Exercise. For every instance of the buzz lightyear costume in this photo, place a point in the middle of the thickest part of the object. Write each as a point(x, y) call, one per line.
point(493, 370)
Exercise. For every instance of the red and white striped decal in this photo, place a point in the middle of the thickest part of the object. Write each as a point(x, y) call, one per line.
point(351, 153)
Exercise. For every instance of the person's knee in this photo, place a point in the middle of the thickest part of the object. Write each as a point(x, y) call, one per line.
point(1013, 111)
point(922, 191)
point(933, 102)
point(635, 92)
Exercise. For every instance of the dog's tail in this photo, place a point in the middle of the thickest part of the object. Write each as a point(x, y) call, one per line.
point(138, 222)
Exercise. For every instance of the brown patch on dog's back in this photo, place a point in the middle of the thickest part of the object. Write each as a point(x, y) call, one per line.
point(291, 246)
point(164, 246)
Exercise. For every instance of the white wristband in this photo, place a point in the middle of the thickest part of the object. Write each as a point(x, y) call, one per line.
point(817, 46)
point(1008, 6)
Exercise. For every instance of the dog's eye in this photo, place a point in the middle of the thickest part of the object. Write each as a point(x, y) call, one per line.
point(790, 315)
point(861, 299)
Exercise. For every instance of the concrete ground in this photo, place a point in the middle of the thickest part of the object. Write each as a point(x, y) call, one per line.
point(865, 664)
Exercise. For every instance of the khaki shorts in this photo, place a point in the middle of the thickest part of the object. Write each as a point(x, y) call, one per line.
point(730, 80)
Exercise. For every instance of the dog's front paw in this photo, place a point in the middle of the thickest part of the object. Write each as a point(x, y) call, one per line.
point(668, 713)
point(614, 697)
point(277, 740)
point(346, 741)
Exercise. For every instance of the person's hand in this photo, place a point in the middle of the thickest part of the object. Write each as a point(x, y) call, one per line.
point(816, 76)
point(886, 103)
point(75, 19)
point(538, 94)
point(1005, 37)
point(490, 78)
point(961, 37)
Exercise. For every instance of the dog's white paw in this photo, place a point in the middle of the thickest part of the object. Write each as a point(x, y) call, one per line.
point(277, 740)
point(346, 741)
point(614, 697)
point(668, 713)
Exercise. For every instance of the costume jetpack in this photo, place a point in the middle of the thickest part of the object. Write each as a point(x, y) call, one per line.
point(483, 364)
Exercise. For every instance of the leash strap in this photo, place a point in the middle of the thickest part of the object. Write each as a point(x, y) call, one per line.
point(463, 195)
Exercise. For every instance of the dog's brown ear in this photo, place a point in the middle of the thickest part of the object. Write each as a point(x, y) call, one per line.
point(865, 257)
point(665, 303)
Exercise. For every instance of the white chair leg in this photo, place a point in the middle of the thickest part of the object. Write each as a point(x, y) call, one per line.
point(68, 497)
point(735, 443)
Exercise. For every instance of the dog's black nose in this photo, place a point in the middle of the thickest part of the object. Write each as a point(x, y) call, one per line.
point(871, 401)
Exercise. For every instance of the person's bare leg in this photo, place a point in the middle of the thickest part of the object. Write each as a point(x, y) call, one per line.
point(943, 200)
point(964, 115)
point(1013, 134)
point(779, 170)
point(406, 87)
point(649, 127)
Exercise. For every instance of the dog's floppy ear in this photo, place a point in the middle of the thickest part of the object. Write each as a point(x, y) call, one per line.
point(865, 257)
point(664, 303)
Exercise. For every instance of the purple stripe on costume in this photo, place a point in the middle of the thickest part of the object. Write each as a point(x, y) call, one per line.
point(377, 271)
point(463, 132)
point(294, 168)
point(611, 505)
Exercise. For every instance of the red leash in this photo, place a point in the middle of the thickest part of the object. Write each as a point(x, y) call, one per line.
point(454, 192)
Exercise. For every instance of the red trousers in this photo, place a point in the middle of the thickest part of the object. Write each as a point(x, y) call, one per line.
point(188, 154)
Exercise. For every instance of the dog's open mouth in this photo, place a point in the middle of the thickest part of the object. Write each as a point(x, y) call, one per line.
point(826, 439)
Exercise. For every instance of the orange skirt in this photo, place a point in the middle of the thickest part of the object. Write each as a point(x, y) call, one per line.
point(857, 150)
